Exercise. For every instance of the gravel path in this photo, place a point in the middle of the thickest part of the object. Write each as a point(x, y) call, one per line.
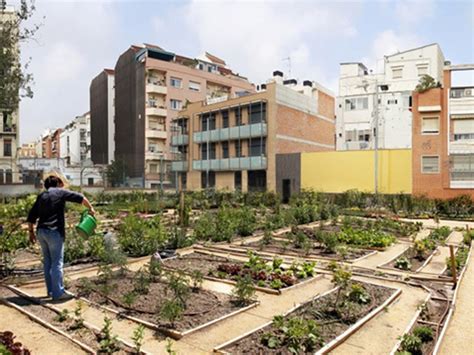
point(33, 336)
point(459, 336)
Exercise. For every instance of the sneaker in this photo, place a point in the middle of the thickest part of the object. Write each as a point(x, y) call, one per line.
point(66, 296)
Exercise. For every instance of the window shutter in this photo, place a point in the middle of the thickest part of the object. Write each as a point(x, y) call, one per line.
point(464, 126)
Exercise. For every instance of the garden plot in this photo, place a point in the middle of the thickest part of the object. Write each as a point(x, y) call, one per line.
point(266, 276)
point(318, 325)
point(423, 334)
point(420, 252)
point(165, 301)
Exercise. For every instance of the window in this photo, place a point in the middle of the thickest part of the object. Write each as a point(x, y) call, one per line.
point(176, 82)
point(407, 101)
point(238, 148)
point(430, 125)
point(90, 181)
point(208, 122)
point(238, 116)
point(238, 180)
point(225, 150)
point(153, 168)
point(359, 103)
point(430, 164)
point(194, 86)
point(7, 148)
point(463, 129)
point(208, 179)
point(257, 112)
point(257, 147)
point(208, 151)
point(225, 119)
point(392, 102)
point(176, 104)
point(422, 70)
point(8, 176)
point(462, 167)
point(397, 72)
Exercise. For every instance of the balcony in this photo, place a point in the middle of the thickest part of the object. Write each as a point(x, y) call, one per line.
point(181, 165)
point(243, 163)
point(238, 132)
point(154, 155)
point(357, 145)
point(154, 133)
point(461, 101)
point(182, 139)
point(461, 147)
point(156, 88)
point(156, 111)
point(9, 129)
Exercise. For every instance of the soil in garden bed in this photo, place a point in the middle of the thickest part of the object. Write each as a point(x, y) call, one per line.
point(84, 335)
point(281, 246)
point(223, 268)
point(203, 306)
point(415, 262)
point(330, 325)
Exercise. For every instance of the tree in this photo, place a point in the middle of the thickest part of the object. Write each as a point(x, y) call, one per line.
point(15, 81)
point(426, 82)
point(116, 173)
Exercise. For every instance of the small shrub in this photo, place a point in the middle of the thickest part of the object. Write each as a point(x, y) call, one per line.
point(423, 332)
point(108, 343)
point(196, 279)
point(62, 316)
point(140, 237)
point(243, 291)
point(78, 317)
point(276, 284)
point(358, 294)
point(129, 299)
point(341, 277)
point(179, 285)
point(171, 311)
point(138, 337)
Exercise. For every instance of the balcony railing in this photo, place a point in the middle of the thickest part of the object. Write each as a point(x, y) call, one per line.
point(154, 133)
point(156, 88)
point(238, 132)
point(243, 163)
point(179, 165)
point(182, 139)
point(156, 111)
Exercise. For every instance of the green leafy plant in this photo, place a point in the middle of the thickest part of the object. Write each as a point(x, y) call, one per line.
point(424, 332)
point(341, 277)
point(108, 343)
point(297, 334)
point(358, 294)
point(171, 311)
point(411, 343)
point(197, 278)
point(78, 316)
point(402, 263)
point(178, 284)
point(139, 237)
point(138, 337)
point(141, 282)
point(276, 284)
point(63, 315)
point(129, 298)
point(243, 291)
point(169, 347)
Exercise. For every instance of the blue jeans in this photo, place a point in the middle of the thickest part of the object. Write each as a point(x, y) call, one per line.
point(52, 245)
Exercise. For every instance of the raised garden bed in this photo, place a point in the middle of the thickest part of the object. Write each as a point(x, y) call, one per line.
point(315, 326)
point(144, 299)
point(266, 275)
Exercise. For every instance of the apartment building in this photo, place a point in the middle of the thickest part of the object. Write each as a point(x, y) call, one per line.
point(151, 86)
point(374, 108)
point(443, 137)
point(27, 150)
point(9, 120)
point(238, 143)
point(102, 112)
point(75, 140)
point(51, 143)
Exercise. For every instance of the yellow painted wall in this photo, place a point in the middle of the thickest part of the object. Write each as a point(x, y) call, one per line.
point(346, 170)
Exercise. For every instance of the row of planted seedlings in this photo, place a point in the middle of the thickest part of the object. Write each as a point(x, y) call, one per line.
point(423, 335)
point(170, 301)
point(72, 325)
point(417, 255)
point(319, 324)
point(349, 240)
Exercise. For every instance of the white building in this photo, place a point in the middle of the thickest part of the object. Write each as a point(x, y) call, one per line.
point(75, 140)
point(359, 90)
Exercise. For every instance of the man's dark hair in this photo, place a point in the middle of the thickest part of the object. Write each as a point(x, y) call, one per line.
point(52, 181)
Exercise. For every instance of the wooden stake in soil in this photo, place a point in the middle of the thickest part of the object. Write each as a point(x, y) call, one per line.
point(453, 265)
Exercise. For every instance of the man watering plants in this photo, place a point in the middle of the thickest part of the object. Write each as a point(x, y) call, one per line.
point(49, 211)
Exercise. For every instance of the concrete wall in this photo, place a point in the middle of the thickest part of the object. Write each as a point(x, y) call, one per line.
point(288, 166)
point(17, 190)
point(342, 171)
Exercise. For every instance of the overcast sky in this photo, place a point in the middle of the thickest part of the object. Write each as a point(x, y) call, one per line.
point(80, 38)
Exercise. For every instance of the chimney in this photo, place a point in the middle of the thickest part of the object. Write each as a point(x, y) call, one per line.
point(290, 82)
point(308, 88)
point(278, 76)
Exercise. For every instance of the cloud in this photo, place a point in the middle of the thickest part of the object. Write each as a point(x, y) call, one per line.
point(386, 43)
point(256, 39)
point(72, 46)
point(411, 12)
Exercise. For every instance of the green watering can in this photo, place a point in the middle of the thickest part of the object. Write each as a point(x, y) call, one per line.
point(87, 224)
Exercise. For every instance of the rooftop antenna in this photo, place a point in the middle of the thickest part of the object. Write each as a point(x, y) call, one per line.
point(289, 66)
